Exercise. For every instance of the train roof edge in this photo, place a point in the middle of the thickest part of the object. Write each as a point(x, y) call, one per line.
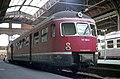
point(64, 14)
point(68, 14)
point(61, 14)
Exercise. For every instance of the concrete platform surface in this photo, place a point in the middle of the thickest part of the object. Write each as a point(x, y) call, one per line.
point(10, 71)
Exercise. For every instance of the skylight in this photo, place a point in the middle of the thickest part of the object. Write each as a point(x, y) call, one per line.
point(14, 25)
point(29, 10)
point(4, 25)
point(13, 9)
point(27, 6)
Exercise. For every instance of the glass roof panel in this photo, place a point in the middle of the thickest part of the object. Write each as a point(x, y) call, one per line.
point(11, 2)
point(41, 3)
point(35, 2)
point(28, 2)
point(13, 9)
point(29, 10)
point(16, 2)
point(14, 25)
point(4, 25)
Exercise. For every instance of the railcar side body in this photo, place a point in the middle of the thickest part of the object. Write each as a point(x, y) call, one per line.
point(62, 41)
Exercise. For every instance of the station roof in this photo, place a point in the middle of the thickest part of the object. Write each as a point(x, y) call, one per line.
point(28, 11)
point(27, 6)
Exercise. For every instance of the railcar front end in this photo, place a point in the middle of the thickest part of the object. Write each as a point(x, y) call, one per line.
point(78, 38)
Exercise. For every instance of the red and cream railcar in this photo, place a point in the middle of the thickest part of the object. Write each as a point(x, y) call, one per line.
point(64, 40)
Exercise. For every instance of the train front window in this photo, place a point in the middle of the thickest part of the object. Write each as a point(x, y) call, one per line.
point(93, 29)
point(83, 29)
point(68, 29)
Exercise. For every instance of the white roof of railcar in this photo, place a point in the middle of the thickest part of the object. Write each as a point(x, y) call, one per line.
point(66, 15)
point(111, 35)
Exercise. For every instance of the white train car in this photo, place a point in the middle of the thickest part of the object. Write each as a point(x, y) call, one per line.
point(109, 48)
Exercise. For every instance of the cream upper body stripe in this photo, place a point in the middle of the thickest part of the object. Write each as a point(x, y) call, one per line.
point(46, 53)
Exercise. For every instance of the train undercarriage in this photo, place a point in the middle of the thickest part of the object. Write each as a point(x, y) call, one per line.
point(74, 62)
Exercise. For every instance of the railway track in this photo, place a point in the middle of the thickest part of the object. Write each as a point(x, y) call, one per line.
point(100, 71)
point(78, 75)
point(105, 70)
point(66, 73)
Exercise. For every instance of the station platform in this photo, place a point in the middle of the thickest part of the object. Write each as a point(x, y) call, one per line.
point(11, 71)
point(113, 62)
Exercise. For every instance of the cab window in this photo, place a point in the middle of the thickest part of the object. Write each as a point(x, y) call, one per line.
point(68, 29)
point(83, 29)
point(93, 29)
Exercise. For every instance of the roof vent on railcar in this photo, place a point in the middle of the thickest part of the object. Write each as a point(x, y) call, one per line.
point(80, 14)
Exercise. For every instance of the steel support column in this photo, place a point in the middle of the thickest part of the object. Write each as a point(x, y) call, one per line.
point(10, 35)
point(10, 25)
point(116, 7)
point(118, 21)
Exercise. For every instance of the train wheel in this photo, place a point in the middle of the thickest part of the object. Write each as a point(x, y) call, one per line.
point(74, 70)
point(59, 69)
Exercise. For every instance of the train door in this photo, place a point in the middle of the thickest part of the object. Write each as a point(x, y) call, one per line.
point(30, 48)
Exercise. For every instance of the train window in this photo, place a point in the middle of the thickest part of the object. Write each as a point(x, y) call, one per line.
point(118, 43)
point(53, 30)
point(83, 29)
point(36, 38)
point(20, 44)
point(110, 44)
point(93, 29)
point(44, 35)
point(27, 41)
point(23, 42)
point(68, 29)
point(17, 45)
